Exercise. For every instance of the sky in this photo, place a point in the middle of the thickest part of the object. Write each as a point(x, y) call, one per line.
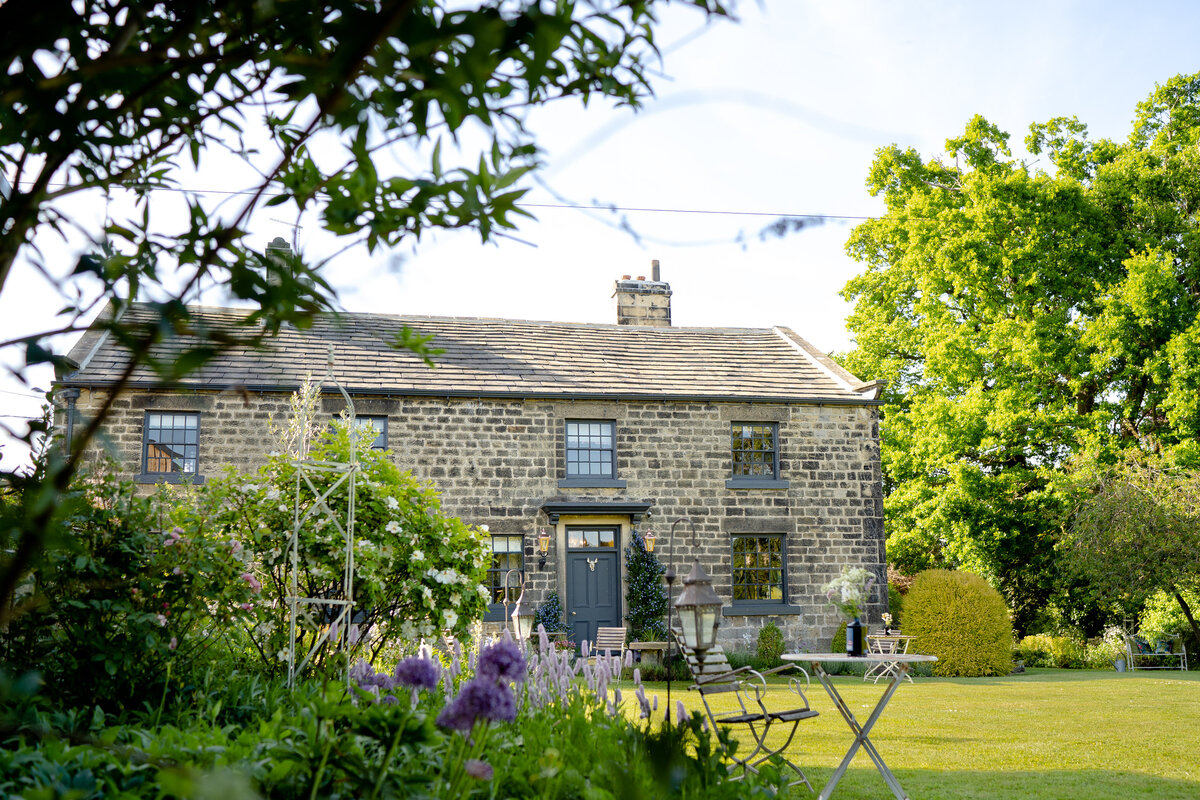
point(779, 113)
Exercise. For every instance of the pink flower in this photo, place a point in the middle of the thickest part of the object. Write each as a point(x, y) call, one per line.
point(177, 571)
point(255, 585)
point(235, 546)
point(173, 643)
point(246, 606)
point(162, 621)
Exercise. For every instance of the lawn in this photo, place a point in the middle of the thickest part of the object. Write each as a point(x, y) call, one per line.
point(1045, 734)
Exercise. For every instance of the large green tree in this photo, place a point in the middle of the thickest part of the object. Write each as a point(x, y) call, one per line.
point(1137, 532)
point(1025, 315)
point(300, 98)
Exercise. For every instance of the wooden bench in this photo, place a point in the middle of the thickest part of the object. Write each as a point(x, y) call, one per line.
point(1163, 650)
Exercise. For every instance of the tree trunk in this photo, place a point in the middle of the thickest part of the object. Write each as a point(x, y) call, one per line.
point(1187, 612)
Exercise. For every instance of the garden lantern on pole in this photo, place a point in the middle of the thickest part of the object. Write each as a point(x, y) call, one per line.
point(699, 607)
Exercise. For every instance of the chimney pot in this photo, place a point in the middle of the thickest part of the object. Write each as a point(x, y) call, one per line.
point(642, 302)
point(655, 275)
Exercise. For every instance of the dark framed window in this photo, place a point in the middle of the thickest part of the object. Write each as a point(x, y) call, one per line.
point(591, 449)
point(171, 443)
point(373, 426)
point(755, 450)
point(758, 569)
point(508, 552)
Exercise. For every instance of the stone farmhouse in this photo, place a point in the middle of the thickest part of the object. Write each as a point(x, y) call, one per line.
point(586, 431)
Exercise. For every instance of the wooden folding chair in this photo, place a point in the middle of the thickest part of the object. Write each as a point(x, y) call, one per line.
point(610, 643)
point(714, 676)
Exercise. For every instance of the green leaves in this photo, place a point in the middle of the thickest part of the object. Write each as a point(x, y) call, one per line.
point(1026, 318)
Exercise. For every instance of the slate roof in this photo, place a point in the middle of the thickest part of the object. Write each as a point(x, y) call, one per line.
point(503, 358)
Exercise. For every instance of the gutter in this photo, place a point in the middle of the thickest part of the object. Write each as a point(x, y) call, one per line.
point(375, 391)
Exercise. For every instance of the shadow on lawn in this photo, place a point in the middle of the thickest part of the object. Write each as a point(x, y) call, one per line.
point(1072, 676)
point(866, 784)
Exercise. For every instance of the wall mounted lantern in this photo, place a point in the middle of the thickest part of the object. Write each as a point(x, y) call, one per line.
point(543, 541)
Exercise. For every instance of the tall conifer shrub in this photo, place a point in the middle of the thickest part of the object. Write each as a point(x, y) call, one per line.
point(646, 598)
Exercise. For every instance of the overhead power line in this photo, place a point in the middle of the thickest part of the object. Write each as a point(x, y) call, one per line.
point(575, 206)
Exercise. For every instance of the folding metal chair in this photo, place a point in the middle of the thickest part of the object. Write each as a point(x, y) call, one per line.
point(748, 687)
point(886, 644)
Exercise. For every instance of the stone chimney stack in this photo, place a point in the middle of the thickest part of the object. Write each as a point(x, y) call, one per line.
point(644, 302)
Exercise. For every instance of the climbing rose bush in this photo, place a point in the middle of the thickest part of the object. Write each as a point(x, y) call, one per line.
point(417, 573)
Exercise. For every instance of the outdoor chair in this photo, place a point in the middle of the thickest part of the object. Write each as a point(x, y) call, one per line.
point(748, 689)
point(887, 644)
point(610, 643)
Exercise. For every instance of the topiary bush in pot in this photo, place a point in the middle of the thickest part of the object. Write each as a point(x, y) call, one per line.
point(962, 620)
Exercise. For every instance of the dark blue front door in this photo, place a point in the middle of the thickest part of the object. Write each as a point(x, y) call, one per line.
point(593, 581)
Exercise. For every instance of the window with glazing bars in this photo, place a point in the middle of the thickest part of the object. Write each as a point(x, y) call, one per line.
point(376, 428)
point(508, 552)
point(754, 450)
point(591, 449)
point(758, 569)
point(171, 443)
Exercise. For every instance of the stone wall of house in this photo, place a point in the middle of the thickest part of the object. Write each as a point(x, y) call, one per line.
point(496, 462)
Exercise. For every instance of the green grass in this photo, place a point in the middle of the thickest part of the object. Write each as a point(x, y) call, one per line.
point(1045, 734)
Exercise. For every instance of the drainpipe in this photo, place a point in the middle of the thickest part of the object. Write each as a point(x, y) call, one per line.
point(70, 395)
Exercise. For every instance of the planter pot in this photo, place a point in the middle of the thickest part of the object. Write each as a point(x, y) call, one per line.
point(856, 637)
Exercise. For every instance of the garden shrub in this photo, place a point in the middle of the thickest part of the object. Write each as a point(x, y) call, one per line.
point(646, 596)
point(549, 615)
point(108, 611)
point(1103, 651)
point(1162, 616)
point(417, 572)
point(1044, 650)
point(770, 643)
point(959, 618)
point(895, 606)
point(323, 740)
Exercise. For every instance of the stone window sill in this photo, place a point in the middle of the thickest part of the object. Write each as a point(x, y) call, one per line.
point(591, 483)
point(168, 477)
point(757, 483)
point(760, 609)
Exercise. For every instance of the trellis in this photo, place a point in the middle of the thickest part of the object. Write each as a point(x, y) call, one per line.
point(337, 612)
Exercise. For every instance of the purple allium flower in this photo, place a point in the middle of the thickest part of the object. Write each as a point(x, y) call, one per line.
point(502, 662)
point(417, 672)
point(480, 770)
point(479, 699)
